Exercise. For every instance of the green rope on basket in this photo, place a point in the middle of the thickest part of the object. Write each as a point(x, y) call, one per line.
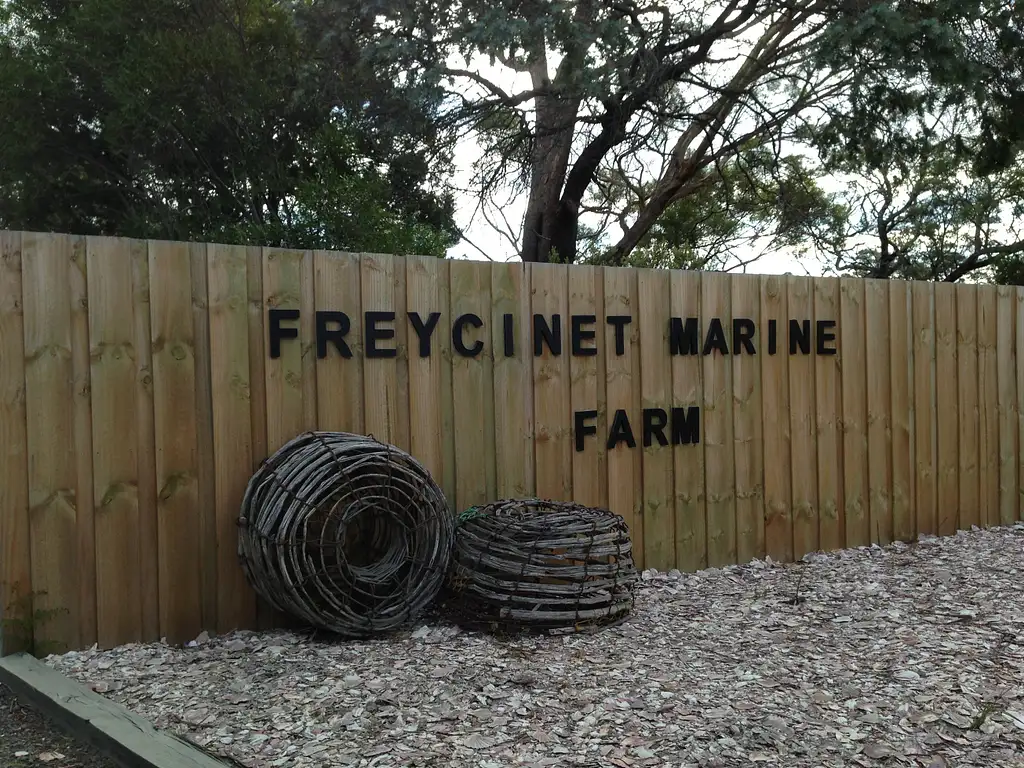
point(468, 514)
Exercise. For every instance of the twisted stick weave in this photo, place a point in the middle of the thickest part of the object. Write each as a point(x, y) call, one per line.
point(530, 564)
point(346, 533)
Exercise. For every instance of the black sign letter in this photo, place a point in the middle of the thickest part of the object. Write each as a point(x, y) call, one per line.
point(825, 336)
point(373, 334)
point(579, 335)
point(457, 330)
point(743, 335)
point(621, 431)
point(716, 338)
point(510, 348)
point(620, 322)
point(683, 339)
point(800, 336)
point(336, 337)
point(685, 425)
point(277, 333)
point(424, 330)
point(583, 429)
point(655, 420)
point(552, 335)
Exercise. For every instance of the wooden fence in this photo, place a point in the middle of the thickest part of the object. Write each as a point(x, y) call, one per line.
point(725, 417)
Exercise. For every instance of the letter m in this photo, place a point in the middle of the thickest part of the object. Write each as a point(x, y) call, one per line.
point(685, 425)
point(683, 338)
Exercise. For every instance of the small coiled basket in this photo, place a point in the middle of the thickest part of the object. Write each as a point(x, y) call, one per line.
point(346, 533)
point(548, 566)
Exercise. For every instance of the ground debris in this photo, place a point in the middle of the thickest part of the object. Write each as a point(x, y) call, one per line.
point(909, 655)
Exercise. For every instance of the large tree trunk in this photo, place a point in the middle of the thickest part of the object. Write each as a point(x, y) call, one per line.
point(550, 225)
point(547, 174)
point(546, 217)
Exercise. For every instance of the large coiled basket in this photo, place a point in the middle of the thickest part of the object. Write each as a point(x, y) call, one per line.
point(346, 533)
point(548, 566)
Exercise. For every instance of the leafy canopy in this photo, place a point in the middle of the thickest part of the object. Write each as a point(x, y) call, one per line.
point(564, 94)
point(209, 121)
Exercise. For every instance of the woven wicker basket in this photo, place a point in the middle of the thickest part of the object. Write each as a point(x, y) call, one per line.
point(548, 566)
point(346, 533)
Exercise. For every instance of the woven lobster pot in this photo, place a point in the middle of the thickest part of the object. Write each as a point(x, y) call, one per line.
point(530, 564)
point(345, 533)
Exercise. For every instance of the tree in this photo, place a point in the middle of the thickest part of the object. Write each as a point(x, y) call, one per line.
point(756, 203)
point(934, 54)
point(915, 204)
point(667, 91)
point(209, 121)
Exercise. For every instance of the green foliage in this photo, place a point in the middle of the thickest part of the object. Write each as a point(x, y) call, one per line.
point(22, 623)
point(667, 96)
point(915, 59)
point(753, 203)
point(209, 121)
point(917, 207)
point(1009, 271)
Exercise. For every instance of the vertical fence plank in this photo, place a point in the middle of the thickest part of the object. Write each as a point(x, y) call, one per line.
point(423, 299)
point(380, 361)
point(828, 401)
point(146, 456)
point(472, 381)
point(969, 512)
point(285, 380)
point(747, 434)
point(402, 437)
point(85, 510)
point(257, 354)
point(687, 392)
point(267, 616)
point(654, 291)
point(307, 334)
point(551, 383)
point(926, 412)
point(450, 474)
point(587, 373)
point(339, 367)
point(288, 386)
point(901, 355)
point(1009, 448)
point(879, 413)
point(775, 389)
point(52, 476)
point(513, 379)
point(803, 415)
point(853, 356)
point(206, 469)
point(719, 459)
point(622, 369)
point(115, 412)
point(228, 287)
point(15, 537)
point(988, 406)
point(1019, 344)
point(175, 436)
point(947, 408)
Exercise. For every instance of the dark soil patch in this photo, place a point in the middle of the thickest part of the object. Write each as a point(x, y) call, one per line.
point(22, 729)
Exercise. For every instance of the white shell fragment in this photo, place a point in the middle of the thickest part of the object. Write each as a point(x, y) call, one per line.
point(907, 655)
